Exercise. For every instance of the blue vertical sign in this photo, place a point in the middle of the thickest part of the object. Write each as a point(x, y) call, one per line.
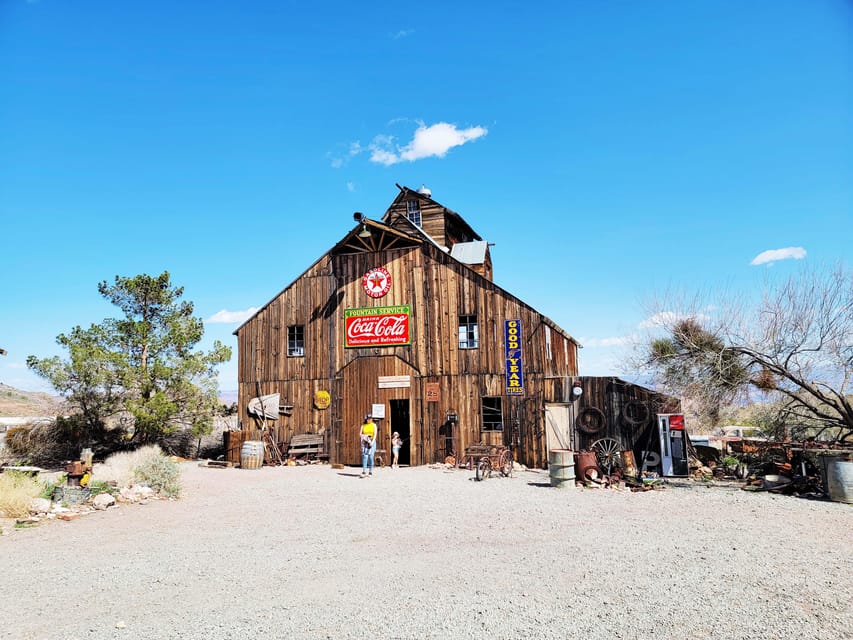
point(514, 373)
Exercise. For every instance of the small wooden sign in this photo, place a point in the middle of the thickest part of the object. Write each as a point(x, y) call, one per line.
point(395, 382)
point(432, 392)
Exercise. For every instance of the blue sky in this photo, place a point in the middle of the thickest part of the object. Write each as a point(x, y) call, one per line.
point(610, 150)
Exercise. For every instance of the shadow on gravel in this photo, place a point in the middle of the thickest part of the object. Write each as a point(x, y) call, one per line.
point(539, 484)
point(350, 475)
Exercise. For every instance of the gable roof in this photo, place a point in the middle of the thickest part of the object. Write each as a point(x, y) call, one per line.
point(408, 194)
point(384, 237)
point(369, 236)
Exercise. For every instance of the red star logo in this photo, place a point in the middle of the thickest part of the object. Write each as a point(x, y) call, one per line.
point(376, 281)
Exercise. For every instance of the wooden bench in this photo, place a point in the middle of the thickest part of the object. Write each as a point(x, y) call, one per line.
point(311, 446)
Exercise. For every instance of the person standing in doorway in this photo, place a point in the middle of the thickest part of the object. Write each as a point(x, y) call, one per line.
point(396, 443)
point(368, 445)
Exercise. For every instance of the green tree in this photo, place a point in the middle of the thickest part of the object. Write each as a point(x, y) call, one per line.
point(795, 347)
point(143, 364)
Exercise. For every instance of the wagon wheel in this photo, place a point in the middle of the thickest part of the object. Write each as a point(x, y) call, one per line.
point(505, 463)
point(590, 421)
point(484, 469)
point(607, 452)
point(635, 413)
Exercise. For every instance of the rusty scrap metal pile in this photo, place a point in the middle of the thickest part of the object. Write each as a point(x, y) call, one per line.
point(791, 468)
point(606, 466)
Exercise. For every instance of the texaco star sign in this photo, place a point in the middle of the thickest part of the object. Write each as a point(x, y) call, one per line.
point(376, 282)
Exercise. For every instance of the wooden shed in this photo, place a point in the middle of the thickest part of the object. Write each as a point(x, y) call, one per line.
point(401, 319)
point(611, 409)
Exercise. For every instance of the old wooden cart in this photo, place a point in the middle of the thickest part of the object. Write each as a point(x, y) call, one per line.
point(483, 458)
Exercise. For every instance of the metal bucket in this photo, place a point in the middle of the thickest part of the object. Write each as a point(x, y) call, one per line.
point(588, 465)
point(561, 468)
point(252, 454)
point(824, 458)
point(839, 480)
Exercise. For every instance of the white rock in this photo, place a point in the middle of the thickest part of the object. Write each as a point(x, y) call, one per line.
point(102, 501)
point(40, 505)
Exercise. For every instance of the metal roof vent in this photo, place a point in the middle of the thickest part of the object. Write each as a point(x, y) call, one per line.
point(424, 191)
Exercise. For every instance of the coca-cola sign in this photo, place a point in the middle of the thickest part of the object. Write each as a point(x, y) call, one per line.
point(377, 326)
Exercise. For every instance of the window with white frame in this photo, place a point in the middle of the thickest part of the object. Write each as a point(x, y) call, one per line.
point(296, 340)
point(413, 211)
point(493, 416)
point(469, 333)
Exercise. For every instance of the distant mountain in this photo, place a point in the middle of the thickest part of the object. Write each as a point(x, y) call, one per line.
point(17, 403)
point(227, 397)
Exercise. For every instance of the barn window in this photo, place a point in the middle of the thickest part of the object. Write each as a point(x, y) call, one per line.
point(413, 211)
point(296, 340)
point(493, 419)
point(469, 334)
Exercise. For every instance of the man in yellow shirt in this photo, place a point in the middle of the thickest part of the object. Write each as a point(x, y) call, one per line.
point(368, 445)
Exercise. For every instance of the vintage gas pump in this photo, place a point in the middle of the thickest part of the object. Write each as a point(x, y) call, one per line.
point(673, 444)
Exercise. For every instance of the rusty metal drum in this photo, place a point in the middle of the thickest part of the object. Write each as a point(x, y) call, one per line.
point(629, 467)
point(587, 465)
point(252, 454)
point(561, 468)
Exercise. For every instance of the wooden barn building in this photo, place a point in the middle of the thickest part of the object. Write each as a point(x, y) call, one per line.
point(401, 319)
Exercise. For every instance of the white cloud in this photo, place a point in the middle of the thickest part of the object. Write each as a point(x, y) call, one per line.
point(350, 186)
point(338, 161)
point(429, 141)
point(402, 33)
point(614, 341)
point(228, 317)
point(772, 255)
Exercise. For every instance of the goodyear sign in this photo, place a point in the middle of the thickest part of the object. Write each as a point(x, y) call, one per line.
point(514, 373)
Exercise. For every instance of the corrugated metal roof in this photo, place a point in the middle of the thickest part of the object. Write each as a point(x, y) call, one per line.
point(470, 252)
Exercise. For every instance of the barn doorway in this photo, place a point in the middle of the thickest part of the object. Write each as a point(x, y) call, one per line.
point(401, 423)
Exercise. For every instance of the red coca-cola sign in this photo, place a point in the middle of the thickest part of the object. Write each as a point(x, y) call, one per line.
point(377, 326)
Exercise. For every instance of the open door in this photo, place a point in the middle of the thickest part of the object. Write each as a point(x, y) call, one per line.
point(401, 423)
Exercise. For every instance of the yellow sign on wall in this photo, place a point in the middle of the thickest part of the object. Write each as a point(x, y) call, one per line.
point(322, 399)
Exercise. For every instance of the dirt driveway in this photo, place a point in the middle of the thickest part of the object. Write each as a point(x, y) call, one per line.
point(313, 552)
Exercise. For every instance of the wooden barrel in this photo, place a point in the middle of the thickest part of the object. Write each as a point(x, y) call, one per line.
point(252, 454)
point(561, 468)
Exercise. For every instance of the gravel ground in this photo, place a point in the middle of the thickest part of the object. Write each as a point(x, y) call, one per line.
point(314, 552)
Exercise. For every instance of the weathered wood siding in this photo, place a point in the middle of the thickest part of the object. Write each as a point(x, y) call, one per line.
point(612, 396)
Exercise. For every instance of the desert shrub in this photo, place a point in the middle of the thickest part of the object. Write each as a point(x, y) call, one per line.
point(99, 486)
point(120, 468)
point(179, 443)
point(16, 492)
point(41, 443)
point(52, 442)
point(161, 474)
point(730, 461)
